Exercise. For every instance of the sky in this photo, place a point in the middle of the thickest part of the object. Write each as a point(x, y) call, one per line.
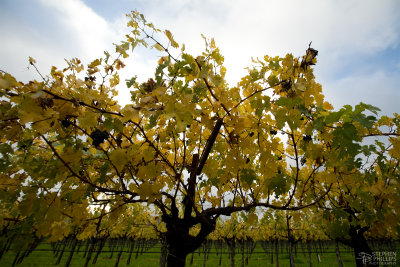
point(358, 40)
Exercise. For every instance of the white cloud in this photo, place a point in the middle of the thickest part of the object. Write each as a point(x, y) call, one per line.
point(89, 31)
point(243, 29)
point(68, 29)
point(378, 89)
point(16, 49)
point(21, 40)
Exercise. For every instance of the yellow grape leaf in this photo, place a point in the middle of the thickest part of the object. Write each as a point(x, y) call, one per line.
point(43, 126)
point(327, 106)
point(32, 60)
point(210, 167)
point(148, 100)
point(169, 109)
point(79, 212)
point(185, 116)
point(330, 177)
point(296, 217)
point(30, 111)
point(56, 74)
point(95, 63)
point(148, 154)
point(171, 39)
point(4, 83)
point(395, 151)
point(70, 156)
point(119, 64)
point(213, 43)
point(377, 189)
point(78, 193)
point(300, 85)
point(162, 60)
point(119, 158)
point(158, 47)
point(252, 218)
point(27, 204)
point(88, 119)
point(59, 230)
point(231, 164)
point(130, 112)
point(114, 81)
point(215, 201)
point(54, 209)
point(168, 34)
point(147, 190)
point(88, 232)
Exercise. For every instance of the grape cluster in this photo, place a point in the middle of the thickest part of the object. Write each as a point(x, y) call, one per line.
point(149, 86)
point(308, 59)
point(66, 122)
point(286, 85)
point(307, 138)
point(98, 137)
point(45, 102)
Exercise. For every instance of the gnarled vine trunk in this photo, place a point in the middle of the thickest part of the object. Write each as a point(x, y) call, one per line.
point(362, 251)
point(180, 242)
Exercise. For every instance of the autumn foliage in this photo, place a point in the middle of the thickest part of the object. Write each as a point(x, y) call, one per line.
point(191, 149)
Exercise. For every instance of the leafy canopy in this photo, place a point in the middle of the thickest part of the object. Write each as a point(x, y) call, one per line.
point(188, 144)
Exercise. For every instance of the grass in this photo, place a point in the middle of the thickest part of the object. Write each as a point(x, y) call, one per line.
point(44, 256)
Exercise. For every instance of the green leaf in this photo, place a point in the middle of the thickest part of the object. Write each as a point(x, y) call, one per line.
point(303, 109)
point(199, 92)
point(103, 172)
point(118, 125)
point(260, 103)
point(319, 123)
point(255, 74)
point(130, 82)
point(288, 102)
point(362, 106)
point(367, 122)
point(333, 117)
point(217, 80)
point(248, 176)
point(278, 184)
point(280, 118)
point(349, 131)
point(113, 124)
point(274, 65)
point(368, 149)
point(6, 149)
point(159, 70)
point(344, 138)
point(107, 56)
point(257, 104)
point(272, 80)
point(152, 121)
